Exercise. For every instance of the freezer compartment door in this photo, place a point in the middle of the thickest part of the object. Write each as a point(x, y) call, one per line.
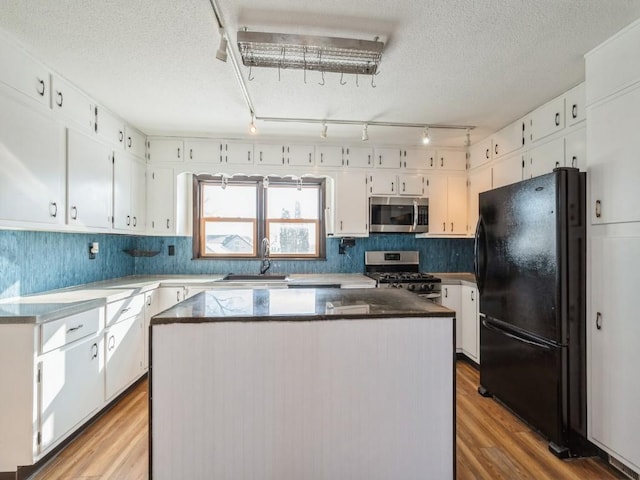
point(524, 373)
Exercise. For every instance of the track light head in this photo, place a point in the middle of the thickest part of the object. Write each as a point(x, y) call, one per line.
point(252, 125)
point(323, 133)
point(425, 136)
point(221, 54)
point(365, 134)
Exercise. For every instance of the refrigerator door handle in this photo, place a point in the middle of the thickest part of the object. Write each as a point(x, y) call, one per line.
point(495, 328)
point(479, 260)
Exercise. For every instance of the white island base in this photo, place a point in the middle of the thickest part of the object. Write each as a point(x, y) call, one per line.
point(295, 400)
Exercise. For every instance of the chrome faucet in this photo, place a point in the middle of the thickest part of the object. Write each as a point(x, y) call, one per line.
point(264, 254)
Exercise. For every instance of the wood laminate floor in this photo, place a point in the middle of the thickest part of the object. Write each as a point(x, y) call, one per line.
point(491, 444)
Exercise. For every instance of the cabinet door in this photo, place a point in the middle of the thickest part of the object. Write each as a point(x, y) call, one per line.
point(414, 158)
point(205, 151)
point(480, 180)
point(451, 298)
point(359, 157)
point(270, 154)
point(135, 142)
point(451, 160)
point(469, 337)
point(575, 104)
point(457, 205)
point(124, 354)
point(351, 205)
point(161, 198)
point(480, 153)
point(165, 150)
point(89, 177)
point(109, 127)
point(329, 156)
point(575, 149)
point(71, 388)
point(508, 139)
point(388, 157)
point(20, 71)
point(613, 159)
point(122, 184)
point(32, 165)
point(614, 336)
point(383, 183)
point(411, 185)
point(547, 119)
point(508, 170)
point(431, 159)
point(238, 153)
point(148, 313)
point(71, 103)
point(300, 155)
point(544, 158)
point(138, 194)
point(438, 204)
point(167, 297)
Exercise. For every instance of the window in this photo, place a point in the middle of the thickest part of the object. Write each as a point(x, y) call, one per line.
point(232, 215)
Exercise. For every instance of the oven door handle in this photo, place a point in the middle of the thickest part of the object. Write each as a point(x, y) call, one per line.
point(415, 214)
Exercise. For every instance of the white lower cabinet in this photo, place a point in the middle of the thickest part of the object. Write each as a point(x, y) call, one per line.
point(124, 350)
point(71, 388)
point(613, 335)
point(452, 299)
point(470, 338)
point(351, 215)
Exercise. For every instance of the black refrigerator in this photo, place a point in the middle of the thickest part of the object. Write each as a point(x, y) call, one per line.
point(530, 262)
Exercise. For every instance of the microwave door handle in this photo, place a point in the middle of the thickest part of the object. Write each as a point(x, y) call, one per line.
point(415, 215)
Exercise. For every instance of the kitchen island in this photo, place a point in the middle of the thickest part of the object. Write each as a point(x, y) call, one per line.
point(319, 383)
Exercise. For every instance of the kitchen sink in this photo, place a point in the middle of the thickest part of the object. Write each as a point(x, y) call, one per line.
point(233, 277)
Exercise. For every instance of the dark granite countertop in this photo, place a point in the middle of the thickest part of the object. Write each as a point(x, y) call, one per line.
point(299, 305)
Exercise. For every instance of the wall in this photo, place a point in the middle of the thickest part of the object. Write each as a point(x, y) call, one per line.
point(33, 262)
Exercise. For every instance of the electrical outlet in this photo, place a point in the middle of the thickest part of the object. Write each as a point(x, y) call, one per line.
point(172, 250)
point(92, 255)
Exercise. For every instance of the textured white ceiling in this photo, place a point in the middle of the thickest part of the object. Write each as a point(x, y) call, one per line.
point(478, 62)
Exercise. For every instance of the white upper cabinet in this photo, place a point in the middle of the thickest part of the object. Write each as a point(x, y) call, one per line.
point(267, 154)
point(547, 119)
point(21, 72)
point(129, 193)
point(388, 157)
point(447, 205)
point(70, 102)
point(351, 215)
point(32, 165)
point(508, 170)
point(413, 185)
point(165, 150)
point(414, 158)
point(383, 183)
point(300, 155)
point(544, 158)
point(509, 139)
point(480, 153)
point(204, 151)
point(237, 153)
point(89, 177)
point(134, 142)
point(575, 105)
point(109, 127)
point(329, 156)
point(480, 180)
point(451, 160)
point(575, 149)
point(161, 198)
point(359, 157)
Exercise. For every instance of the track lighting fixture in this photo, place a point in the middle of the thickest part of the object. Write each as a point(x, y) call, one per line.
point(252, 125)
point(323, 134)
point(221, 54)
point(425, 136)
point(365, 134)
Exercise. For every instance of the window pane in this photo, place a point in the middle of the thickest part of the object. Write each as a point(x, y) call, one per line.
point(292, 238)
point(289, 202)
point(234, 201)
point(230, 238)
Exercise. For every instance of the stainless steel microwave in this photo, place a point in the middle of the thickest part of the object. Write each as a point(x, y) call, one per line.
point(398, 214)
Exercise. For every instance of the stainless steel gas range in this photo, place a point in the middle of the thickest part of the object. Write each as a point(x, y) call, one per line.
point(401, 269)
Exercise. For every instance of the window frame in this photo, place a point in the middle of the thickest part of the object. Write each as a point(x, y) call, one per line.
point(261, 224)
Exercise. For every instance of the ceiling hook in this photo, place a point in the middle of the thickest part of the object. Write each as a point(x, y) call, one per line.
point(322, 82)
point(373, 85)
point(342, 82)
point(251, 77)
point(304, 59)
point(320, 66)
point(357, 84)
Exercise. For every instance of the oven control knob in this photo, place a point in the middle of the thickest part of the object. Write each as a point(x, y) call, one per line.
point(399, 285)
point(411, 287)
point(424, 287)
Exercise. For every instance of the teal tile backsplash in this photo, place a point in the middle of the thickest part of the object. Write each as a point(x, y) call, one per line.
point(32, 262)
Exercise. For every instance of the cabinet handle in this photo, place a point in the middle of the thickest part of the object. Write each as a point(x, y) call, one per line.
point(135, 221)
point(444, 227)
point(167, 223)
point(574, 111)
point(129, 142)
point(369, 160)
point(322, 158)
point(574, 160)
point(557, 164)
point(260, 156)
point(53, 213)
point(486, 153)
point(128, 220)
point(149, 298)
point(392, 187)
point(340, 225)
point(74, 213)
point(125, 310)
point(403, 186)
point(94, 351)
point(73, 329)
point(380, 159)
point(41, 90)
point(111, 343)
point(60, 99)
point(178, 295)
point(495, 149)
point(442, 161)
point(452, 226)
point(431, 161)
point(191, 154)
point(598, 209)
point(557, 119)
point(599, 321)
point(309, 157)
point(178, 152)
point(446, 292)
point(472, 296)
point(120, 136)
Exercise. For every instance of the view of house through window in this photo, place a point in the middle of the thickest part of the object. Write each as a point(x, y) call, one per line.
point(234, 215)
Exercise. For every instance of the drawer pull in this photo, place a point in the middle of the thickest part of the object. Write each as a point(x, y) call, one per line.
point(125, 310)
point(41, 90)
point(557, 119)
point(599, 321)
point(73, 329)
point(111, 343)
point(60, 99)
point(94, 351)
point(598, 209)
point(574, 111)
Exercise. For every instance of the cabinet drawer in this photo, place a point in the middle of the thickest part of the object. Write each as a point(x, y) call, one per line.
point(69, 329)
point(129, 307)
